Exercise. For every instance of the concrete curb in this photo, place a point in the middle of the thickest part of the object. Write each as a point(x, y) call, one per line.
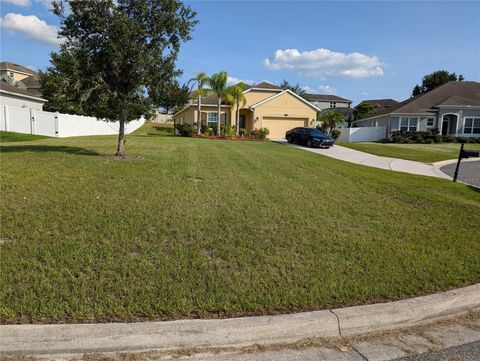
point(74, 339)
point(438, 165)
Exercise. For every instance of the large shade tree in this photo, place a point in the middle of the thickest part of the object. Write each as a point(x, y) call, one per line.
point(434, 80)
point(115, 56)
point(200, 81)
point(218, 84)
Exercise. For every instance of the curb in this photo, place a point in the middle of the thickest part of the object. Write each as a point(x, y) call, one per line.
point(75, 339)
point(438, 165)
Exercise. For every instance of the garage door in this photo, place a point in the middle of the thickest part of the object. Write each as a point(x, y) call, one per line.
point(278, 126)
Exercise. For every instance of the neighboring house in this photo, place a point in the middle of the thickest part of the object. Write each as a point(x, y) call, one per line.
point(267, 106)
point(347, 114)
point(20, 98)
point(453, 108)
point(322, 101)
point(13, 73)
point(380, 104)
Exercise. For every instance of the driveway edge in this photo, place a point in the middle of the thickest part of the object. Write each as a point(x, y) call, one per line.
point(74, 339)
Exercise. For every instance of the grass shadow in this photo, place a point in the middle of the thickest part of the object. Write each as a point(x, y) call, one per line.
point(473, 188)
point(47, 149)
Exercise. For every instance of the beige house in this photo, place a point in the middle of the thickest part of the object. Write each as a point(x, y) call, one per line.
point(267, 106)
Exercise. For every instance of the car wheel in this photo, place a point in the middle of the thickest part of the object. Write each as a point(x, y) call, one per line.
point(309, 143)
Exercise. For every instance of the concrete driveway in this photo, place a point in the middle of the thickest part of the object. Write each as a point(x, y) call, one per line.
point(375, 161)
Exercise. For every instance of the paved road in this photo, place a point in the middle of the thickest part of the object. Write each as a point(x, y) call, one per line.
point(467, 352)
point(469, 172)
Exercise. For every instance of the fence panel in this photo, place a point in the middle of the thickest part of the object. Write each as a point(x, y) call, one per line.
point(44, 123)
point(3, 126)
point(362, 134)
point(19, 120)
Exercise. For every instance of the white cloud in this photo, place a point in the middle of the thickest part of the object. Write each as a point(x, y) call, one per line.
point(31, 27)
point(231, 80)
point(364, 93)
point(323, 63)
point(322, 89)
point(22, 3)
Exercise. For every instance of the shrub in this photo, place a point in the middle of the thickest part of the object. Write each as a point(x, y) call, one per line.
point(228, 131)
point(185, 130)
point(244, 132)
point(335, 133)
point(259, 134)
point(448, 138)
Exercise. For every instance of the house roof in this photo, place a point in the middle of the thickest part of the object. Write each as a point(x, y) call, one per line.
point(383, 103)
point(6, 65)
point(286, 91)
point(31, 82)
point(465, 93)
point(266, 85)
point(326, 97)
point(346, 112)
point(5, 87)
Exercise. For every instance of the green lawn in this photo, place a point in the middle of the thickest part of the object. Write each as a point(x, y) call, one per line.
point(199, 228)
point(17, 137)
point(428, 153)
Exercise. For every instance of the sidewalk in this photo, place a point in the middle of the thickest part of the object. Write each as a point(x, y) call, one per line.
point(375, 161)
point(232, 334)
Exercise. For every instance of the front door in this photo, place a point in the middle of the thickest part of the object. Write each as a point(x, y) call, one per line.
point(241, 121)
point(445, 125)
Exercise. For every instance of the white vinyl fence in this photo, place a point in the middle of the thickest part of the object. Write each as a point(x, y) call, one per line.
point(30, 121)
point(362, 134)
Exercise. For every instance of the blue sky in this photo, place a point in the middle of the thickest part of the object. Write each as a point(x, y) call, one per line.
point(360, 50)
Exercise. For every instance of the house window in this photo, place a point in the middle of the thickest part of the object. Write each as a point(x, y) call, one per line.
point(211, 119)
point(430, 122)
point(472, 126)
point(408, 124)
point(333, 104)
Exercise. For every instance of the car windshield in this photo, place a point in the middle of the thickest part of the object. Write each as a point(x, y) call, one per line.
point(315, 131)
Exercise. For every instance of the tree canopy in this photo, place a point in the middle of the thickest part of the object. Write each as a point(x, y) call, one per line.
point(330, 120)
point(434, 80)
point(363, 110)
point(116, 57)
point(297, 89)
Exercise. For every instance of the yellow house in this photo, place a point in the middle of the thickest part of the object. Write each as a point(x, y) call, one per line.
point(267, 106)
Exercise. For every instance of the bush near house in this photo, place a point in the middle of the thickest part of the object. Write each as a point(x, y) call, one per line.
point(226, 131)
point(428, 137)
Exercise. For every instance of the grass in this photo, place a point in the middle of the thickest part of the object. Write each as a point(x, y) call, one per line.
point(17, 137)
point(199, 228)
point(428, 153)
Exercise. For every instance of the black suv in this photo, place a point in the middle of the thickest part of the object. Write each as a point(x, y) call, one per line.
point(311, 137)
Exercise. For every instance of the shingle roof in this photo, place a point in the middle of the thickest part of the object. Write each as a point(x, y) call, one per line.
point(454, 93)
point(346, 112)
point(266, 85)
point(13, 89)
point(383, 103)
point(31, 82)
point(6, 65)
point(326, 97)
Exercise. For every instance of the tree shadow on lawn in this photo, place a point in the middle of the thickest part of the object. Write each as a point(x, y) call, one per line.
point(47, 149)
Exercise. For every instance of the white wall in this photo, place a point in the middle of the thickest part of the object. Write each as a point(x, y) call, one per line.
point(29, 121)
point(362, 134)
point(19, 101)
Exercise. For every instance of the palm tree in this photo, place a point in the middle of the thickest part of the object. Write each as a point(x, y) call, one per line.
point(200, 79)
point(218, 83)
point(235, 96)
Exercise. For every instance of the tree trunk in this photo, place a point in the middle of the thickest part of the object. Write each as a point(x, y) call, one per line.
point(121, 140)
point(238, 120)
point(199, 112)
point(218, 115)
